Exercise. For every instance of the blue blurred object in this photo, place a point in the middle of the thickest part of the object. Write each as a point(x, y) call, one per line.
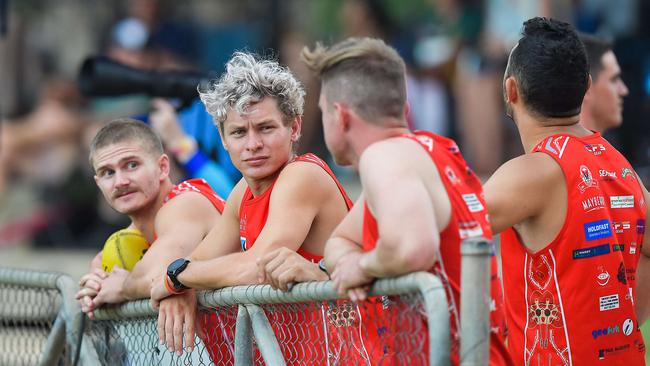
point(211, 162)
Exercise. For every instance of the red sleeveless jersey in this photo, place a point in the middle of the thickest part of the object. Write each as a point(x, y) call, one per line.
point(254, 211)
point(468, 219)
point(291, 333)
point(572, 303)
point(198, 185)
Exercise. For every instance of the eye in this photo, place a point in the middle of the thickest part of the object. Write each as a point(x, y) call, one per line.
point(267, 128)
point(132, 165)
point(237, 133)
point(106, 173)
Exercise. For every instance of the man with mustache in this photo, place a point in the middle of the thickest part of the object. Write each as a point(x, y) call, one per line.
point(132, 173)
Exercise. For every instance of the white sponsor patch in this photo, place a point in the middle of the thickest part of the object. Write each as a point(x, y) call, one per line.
point(473, 203)
point(621, 201)
point(628, 327)
point(609, 302)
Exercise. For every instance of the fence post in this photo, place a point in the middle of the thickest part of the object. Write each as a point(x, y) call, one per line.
point(243, 337)
point(475, 301)
point(266, 341)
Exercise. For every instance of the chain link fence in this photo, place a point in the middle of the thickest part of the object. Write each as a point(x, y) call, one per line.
point(310, 325)
point(404, 322)
point(37, 318)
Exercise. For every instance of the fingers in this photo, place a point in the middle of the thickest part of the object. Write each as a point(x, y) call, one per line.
point(86, 292)
point(285, 278)
point(178, 334)
point(358, 294)
point(162, 320)
point(87, 306)
point(169, 332)
point(190, 329)
point(264, 267)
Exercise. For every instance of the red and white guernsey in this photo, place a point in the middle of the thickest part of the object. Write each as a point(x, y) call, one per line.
point(572, 303)
point(198, 185)
point(253, 211)
point(468, 219)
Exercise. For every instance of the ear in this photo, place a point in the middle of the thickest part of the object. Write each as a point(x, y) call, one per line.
point(342, 113)
point(588, 92)
point(296, 127)
point(220, 128)
point(163, 165)
point(96, 179)
point(512, 90)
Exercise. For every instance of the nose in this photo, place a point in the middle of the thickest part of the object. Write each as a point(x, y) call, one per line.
point(253, 141)
point(121, 179)
point(622, 89)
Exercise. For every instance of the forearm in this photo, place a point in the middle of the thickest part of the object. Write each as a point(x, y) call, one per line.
point(388, 262)
point(137, 287)
point(230, 270)
point(642, 289)
point(335, 249)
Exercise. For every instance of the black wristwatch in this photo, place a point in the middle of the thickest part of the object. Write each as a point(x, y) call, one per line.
point(174, 269)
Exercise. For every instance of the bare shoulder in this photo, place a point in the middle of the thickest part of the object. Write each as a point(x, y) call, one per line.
point(532, 171)
point(392, 154)
point(304, 176)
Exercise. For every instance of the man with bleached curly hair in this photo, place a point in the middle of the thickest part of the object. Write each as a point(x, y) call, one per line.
point(283, 200)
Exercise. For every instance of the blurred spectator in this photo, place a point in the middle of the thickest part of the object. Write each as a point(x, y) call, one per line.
point(192, 138)
point(602, 107)
point(42, 150)
point(485, 138)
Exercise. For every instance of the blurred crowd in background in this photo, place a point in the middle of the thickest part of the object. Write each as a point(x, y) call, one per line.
point(456, 51)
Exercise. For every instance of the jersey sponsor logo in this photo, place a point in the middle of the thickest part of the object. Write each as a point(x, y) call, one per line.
point(600, 332)
point(620, 226)
point(628, 326)
point(453, 149)
point(640, 226)
point(595, 149)
point(591, 251)
point(473, 203)
point(607, 175)
point(627, 172)
point(593, 203)
point(469, 229)
point(632, 248)
point(597, 230)
point(603, 277)
point(621, 201)
point(588, 180)
point(609, 302)
point(618, 247)
point(556, 145)
point(612, 351)
point(242, 241)
point(449, 172)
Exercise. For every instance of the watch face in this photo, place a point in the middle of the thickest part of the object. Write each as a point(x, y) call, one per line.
point(177, 266)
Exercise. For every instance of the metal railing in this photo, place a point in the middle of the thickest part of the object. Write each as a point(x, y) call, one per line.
point(39, 318)
point(405, 321)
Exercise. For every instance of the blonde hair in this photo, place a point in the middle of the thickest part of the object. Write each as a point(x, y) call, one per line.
point(247, 80)
point(126, 129)
point(365, 73)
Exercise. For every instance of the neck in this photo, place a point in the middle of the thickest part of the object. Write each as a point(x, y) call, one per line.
point(367, 134)
point(532, 129)
point(145, 219)
point(587, 120)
